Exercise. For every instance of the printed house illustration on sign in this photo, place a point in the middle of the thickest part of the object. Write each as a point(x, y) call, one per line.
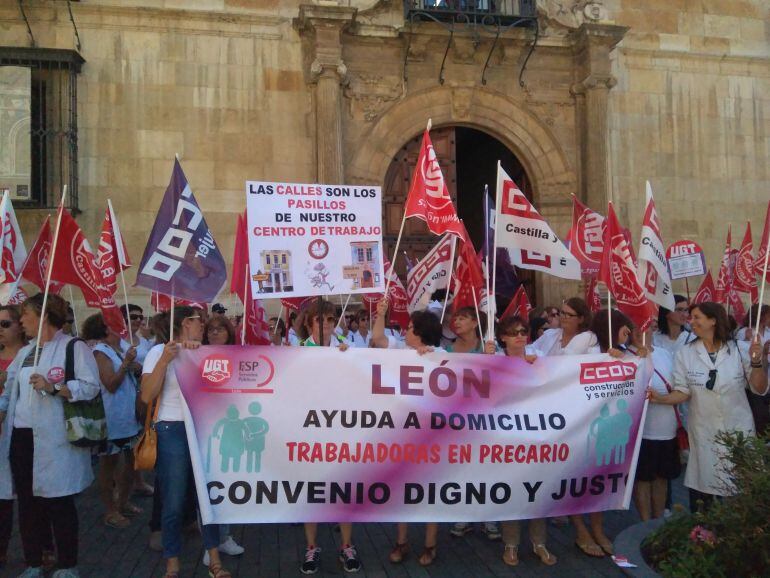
point(274, 276)
point(365, 259)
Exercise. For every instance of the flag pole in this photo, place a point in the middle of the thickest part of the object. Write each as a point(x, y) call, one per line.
point(50, 270)
point(762, 291)
point(171, 322)
point(344, 308)
point(486, 258)
point(451, 273)
point(493, 294)
point(72, 306)
point(609, 314)
point(280, 318)
point(245, 301)
point(478, 317)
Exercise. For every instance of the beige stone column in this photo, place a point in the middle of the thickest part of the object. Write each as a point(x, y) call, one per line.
point(322, 26)
point(593, 44)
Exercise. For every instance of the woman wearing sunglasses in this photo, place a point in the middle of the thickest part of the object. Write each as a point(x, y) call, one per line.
point(512, 335)
point(712, 373)
point(173, 466)
point(361, 335)
point(672, 332)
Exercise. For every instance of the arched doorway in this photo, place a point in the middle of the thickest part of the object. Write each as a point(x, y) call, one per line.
point(468, 159)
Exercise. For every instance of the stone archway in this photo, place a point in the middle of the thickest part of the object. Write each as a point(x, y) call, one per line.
point(523, 133)
point(553, 177)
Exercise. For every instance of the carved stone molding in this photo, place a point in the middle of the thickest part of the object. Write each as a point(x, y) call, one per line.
point(559, 17)
point(371, 94)
point(462, 99)
point(319, 68)
point(593, 81)
point(464, 50)
point(321, 26)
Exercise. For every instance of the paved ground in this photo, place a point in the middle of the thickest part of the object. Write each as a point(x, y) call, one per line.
point(274, 550)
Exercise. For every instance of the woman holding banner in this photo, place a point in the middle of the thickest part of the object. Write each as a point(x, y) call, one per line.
point(48, 471)
point(713, 373)
point(423, 334)
point(317, 316)
point(173, 466)
point(361, 336)
point(512, 335)
point(573, 337)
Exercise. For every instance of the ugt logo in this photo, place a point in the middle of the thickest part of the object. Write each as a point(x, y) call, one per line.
point(216, 369)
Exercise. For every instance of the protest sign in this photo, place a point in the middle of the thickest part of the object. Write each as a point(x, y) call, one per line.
point(319, 435)
point(685, 259)
point(309, 240)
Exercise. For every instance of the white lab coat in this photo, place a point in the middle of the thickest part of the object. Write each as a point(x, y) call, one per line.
point(549, 343)
point(725, 408)
point(59, 468)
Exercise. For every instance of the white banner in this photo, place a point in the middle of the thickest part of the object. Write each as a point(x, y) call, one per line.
point(311, 434)
point(307, 240)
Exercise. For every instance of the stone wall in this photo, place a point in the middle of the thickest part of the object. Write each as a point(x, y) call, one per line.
point(691, 113)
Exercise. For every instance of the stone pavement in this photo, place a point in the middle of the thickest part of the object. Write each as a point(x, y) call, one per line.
point(275, 550)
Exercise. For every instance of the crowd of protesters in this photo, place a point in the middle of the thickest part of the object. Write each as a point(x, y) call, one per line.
point(709, 376)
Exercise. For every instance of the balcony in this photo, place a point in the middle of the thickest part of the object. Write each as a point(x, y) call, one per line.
point(475, 12)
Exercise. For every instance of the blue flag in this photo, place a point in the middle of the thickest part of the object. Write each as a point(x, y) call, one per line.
point(181, 257)
point(507, 281)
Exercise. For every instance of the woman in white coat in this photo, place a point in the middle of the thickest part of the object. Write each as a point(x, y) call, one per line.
point(713, 374)
point(47, 470)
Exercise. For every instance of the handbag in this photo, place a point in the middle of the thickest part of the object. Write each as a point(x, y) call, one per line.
point(682, 439)
point(146, 449)
point(84, 420)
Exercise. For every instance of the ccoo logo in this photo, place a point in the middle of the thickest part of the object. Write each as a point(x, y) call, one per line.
point(606, 371)
point(216, 369)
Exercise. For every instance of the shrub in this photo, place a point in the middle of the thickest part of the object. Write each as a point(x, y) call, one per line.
point(732, 538)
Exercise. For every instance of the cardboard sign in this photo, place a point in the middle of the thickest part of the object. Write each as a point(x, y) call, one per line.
point(685, 259)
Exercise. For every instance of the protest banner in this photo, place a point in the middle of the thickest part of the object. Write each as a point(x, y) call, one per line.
point(319, 435)
point(310, 239)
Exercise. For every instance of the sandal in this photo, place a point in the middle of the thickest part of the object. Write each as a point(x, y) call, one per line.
point(428, 556)
point(511, 555)
point(590, 549)
point(545, 556)
point(130, 510)
point(399, 552)
point(607, 547)
point(116, 520)
point(216, 571)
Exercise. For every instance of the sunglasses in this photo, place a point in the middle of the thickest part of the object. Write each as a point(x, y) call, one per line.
point(518, 333)
point(329, 319)
point(567, 314)
point(136, 317)
point(712, 379)
point(5, 324)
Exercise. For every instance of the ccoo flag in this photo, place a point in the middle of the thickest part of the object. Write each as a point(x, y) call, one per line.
point(181, 258)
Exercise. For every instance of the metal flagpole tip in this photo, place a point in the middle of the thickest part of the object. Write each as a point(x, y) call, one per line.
point(430, 124)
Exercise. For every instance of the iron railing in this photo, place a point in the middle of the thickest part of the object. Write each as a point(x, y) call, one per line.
point(53, 123)
point(486, 12)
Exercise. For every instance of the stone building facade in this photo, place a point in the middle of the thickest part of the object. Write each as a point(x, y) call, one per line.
point(615, 92)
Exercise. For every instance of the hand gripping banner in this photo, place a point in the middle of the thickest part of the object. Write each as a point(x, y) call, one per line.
point(317, 435)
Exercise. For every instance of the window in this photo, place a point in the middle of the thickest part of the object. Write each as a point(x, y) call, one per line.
point(42, 154)
point(369, 254)
point(360, 253)
point(283, 258)
point(267, 258)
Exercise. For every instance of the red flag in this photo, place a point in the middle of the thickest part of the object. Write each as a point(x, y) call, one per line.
point(735, 307)
point(428, 197)
point(745, 278)
point(519, 305)
point(240, 258)
point(725, 278)
point(74, 263)
point(396, 295)
point(592, 298)
point(35, 267)
point(112, 257)
point(585, 238)
point(296, 303)
point(468, 277)
point(706, 291)
point(759, 264)
point(618, 272)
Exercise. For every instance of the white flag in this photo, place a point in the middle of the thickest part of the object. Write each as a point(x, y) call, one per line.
point(653, 269)
point(430, 274)
point(13, 251)
point(530, 241)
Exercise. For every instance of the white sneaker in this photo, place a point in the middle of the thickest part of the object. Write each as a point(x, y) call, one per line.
point(231, 547)
point(460, 529)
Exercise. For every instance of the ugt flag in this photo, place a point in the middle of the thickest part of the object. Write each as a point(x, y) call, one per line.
point(181, 258)
point(585, 239)
point(653, 267)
